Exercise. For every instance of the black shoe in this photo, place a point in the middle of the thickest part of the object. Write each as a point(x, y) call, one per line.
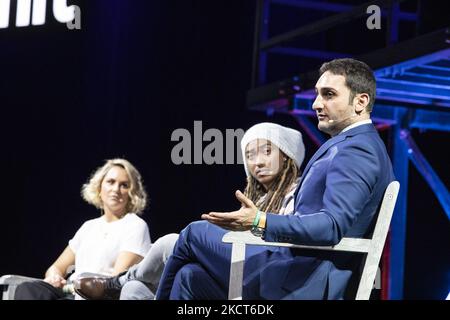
point(98, 287)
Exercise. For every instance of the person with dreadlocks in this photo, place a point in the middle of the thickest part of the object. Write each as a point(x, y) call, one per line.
point(273, 155)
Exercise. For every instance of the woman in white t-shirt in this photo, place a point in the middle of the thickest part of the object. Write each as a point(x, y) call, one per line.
point(107, 245)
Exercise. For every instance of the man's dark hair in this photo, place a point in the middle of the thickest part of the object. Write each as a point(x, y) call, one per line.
point(359, 77)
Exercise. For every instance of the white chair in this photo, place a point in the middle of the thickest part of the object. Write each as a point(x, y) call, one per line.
point(371, 247)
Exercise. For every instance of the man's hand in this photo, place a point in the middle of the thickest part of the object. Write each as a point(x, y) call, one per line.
point(239, 220)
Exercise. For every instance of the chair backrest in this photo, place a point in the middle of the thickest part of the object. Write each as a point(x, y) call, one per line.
point(373, 247)
point(377, 242)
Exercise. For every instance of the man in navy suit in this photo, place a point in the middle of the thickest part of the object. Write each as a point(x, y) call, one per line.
point(338, 196)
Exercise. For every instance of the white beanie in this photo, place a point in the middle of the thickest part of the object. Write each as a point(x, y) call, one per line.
point(286, 139)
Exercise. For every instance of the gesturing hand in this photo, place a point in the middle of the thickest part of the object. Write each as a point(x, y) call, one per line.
point(239, 220)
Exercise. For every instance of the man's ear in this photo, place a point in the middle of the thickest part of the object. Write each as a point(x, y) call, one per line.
point(361, 102)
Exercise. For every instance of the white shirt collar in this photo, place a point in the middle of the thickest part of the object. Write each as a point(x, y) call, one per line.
point(356, 124)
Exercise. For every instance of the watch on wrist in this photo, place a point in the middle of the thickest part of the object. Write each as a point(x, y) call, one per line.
point(258, 232)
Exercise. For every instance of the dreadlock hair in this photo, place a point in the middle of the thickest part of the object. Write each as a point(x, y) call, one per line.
point(276, 191)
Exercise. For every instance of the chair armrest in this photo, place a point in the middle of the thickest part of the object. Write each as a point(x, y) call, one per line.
point(346, 244)
point(12, 279)
point(239, 239)
point(10, 283)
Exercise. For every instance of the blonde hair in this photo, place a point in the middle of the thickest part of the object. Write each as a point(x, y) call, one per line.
point(278, 189)
point(90, 191)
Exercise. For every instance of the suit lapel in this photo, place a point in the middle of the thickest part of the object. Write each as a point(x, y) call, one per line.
point(323, 148)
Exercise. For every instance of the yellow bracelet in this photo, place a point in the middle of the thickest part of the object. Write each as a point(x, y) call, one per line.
point(262, 220)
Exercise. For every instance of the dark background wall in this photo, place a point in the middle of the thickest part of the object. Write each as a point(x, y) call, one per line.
point(119, 87)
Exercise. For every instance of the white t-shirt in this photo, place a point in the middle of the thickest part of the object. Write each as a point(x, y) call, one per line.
point(98, 243)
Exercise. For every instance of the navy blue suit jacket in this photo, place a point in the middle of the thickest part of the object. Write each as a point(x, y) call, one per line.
point(341, 189)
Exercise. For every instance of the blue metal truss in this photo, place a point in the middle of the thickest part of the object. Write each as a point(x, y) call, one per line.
point(422, 81)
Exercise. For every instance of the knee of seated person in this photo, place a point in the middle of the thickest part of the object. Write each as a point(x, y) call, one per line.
point(197, 225)
point(193, 229)
point(166, 244)
point(29, 290)
point(22, 287)
point(26, 285)
point(136, 290)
